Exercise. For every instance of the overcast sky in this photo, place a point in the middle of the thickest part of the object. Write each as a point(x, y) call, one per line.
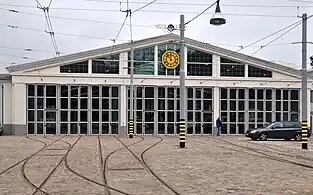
point(244, 26)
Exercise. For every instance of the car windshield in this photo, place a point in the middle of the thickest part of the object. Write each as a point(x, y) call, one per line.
point(269, 125)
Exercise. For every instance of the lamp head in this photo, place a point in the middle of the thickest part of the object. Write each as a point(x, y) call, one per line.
point(217, 18)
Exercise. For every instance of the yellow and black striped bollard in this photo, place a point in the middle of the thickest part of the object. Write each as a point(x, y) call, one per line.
point(131, 128)
point(304, 136)
point(182, 135)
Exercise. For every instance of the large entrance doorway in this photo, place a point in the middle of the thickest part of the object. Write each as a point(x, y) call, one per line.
point(199, 110)
point(144, 109)
point(41, 109)
point(105, 110)
point(168, 110)
point(74, 109)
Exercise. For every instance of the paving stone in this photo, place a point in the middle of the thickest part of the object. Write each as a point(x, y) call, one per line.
point(205, 166)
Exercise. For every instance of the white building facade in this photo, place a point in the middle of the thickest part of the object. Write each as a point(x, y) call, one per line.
point(88, 93)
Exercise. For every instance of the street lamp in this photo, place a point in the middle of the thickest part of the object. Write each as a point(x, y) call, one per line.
point(216, 20)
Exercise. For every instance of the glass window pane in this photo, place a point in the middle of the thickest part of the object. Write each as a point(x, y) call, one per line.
point(40, 103)
point(149, 104)
point(170, 116)
point(105, 104)
point(241, 106)
point(95, 116)
point(278, 105)
point(161, 104)
point(83, 91)
point(190, 116)
point(40, 115)
point(170, 104)
point(31, 103)
point(74, 116)
point(105, 116)
point(31, 115)
point(161, 92)
point(224, 94)
point(268, 106)
point(64, 116)
point(149, 92)
point(40, 90)
point(114, 104)
point(74, 91)
point(84, 116)
point(268, 117)
point(207, 105)
point(95, 91)
point(278, 94)
point(207, 93)
point(95, 103)
point(260, 105)
point(198, 104)
point(260, 93)
point(105, 91)
point(198, 93)
point(233, 116)
point(115, 92)
point(114, 116)
point(64, 91)
point(51, 116)
point(190, 104)
point(294, 106)
point(190, 92)
point(251, 93)
point(241, 117)
point(233, 105)
point(51, 103)
point(64, 103)
point(31, 128)
point(241, 94)
point(285, 95)
point(161, 116)
point(74, 103)
point(170, 93)
point(268, 94)
point(294, 95)
point(31, 90)
point(233, 93)
point(84, 103)
point(139, 92)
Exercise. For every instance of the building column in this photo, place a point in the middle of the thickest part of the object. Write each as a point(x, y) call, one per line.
point(156, 58)
point(247, 109)
point(89, 66)
point(19, 126)
point(246, 70)
point(216, 61)
point(123, 63)
point(216, 107)
point(123, 110)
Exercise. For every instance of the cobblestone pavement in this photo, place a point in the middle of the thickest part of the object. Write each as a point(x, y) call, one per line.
point(205, 166)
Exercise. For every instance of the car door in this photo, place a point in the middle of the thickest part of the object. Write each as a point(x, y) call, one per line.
point(288, 130)
point(276, 130)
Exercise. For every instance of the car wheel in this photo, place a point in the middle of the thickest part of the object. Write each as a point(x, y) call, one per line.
point(263, 136)
point(298, 137)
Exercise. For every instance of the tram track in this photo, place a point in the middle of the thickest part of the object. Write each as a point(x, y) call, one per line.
point(39, 188)
point(143, 162)
point(103, 168)
point(263, 153)
point(45, 145)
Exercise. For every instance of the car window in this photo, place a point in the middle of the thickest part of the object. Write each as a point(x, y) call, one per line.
point(279, 125)
point(292, 125)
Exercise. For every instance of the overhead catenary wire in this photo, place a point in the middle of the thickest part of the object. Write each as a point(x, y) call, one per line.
point(161, 11)
point(203, 4)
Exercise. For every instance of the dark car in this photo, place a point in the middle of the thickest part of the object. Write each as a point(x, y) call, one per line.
point(278, 130)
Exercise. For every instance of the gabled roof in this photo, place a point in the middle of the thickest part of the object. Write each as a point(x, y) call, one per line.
point(155, 40)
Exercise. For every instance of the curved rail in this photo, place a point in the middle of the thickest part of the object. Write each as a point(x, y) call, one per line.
point(93, 181)
point(38, 188)
point(19, 162)
point(265, 155)
point(25, 162)
point(142, 161)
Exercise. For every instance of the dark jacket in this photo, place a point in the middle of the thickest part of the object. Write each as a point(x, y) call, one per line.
point(218, 123)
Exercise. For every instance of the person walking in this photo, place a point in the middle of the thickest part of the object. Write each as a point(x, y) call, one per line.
point(218, 126)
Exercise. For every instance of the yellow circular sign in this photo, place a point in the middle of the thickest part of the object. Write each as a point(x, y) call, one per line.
point(170, 59)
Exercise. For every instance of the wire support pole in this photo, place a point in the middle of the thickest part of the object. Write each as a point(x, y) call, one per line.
point(305, 129)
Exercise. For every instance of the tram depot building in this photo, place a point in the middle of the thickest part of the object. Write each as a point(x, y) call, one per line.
point(87, 93)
